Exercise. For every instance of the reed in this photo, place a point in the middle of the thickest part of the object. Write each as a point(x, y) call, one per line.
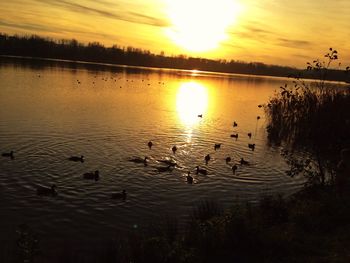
point(312, 116)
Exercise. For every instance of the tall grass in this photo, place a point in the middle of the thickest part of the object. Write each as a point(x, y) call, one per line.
point(313, 116)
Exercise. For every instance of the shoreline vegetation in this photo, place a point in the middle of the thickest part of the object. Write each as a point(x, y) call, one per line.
point(39, 47)
point(312, 225)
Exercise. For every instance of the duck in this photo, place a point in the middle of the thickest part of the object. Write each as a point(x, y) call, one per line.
point(139, 160)
point(10, 154)
point(76, 158)
point(92, 175)
point(259, 105)
point(207, 158)
point(228, 159)
point(189, 178)
point(168, 162)
point(217, 146)
point(44, 190)
point(235, 124)
point(251, 146)
point(249, 135)
point(201, 171)
point(162, 169)
point(234, 135)
point(174, 149)
point(258, 117)
point(121, 195)
point(243, 162)
point(150, 144)
point(200, 115)
point(234, 168)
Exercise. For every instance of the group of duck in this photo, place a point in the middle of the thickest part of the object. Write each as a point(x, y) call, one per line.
point(198, 170)
point(51, 191)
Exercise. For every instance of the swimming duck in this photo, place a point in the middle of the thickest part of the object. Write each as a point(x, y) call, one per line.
point(174, 149)
point(243, 162)
point(121, 195)
point(235, 124)
point(200, 115)
point(44, 190)
point(162, 169)
point(150, 144)
point(168, 162)
point(189, 178)
point(234, 168)
point(258, 117)
point(10, 154)
point(201, 171)
point(217, 146)
point(92, 175)
point(76, 158)
point(228, 159)
point(234, 135)
point(139, 160)
point(207, 158)
point(249, 135)
point(251, 146)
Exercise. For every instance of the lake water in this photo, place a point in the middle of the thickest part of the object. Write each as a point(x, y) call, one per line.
point(50, 111)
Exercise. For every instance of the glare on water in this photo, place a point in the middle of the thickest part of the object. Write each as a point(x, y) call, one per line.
point(51, 112)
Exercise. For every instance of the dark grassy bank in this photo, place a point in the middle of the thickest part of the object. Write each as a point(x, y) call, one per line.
point(34, 46)
point(311, 226)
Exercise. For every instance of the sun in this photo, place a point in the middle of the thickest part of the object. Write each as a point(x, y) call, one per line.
point(200, 25)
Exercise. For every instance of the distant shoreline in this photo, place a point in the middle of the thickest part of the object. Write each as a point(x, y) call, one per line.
point(193, 72)
point(94, 52)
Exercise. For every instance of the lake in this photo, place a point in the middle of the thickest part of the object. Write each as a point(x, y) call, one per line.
point(52, 110)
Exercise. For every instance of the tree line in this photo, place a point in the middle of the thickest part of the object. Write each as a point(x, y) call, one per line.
point(35, 46)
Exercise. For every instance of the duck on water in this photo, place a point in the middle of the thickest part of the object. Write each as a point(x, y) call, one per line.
point(76, 158)
point(92, 175)
point(10, 154)
point(47, 191)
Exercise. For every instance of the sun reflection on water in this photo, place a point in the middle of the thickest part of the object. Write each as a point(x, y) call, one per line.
point(191, 101)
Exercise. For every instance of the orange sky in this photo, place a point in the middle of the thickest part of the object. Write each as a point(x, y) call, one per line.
point(280, 32)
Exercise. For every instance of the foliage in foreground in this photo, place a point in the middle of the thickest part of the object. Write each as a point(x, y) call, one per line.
point(312, 117)
point(311, 226)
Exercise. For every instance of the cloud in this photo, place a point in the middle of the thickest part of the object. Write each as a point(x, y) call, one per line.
point(258, 32)
point(293, 43)
point(26, 26)
point(51, 29)
point(132, 17)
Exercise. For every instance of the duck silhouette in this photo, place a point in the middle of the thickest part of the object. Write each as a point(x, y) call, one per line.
point(150, 144)
point(201, 171)
point(163, 169)
point(217, 146)
point(76, 158)
point(169, 162)
point(251, 146)
point(228, 159)
point(10, 154)
point(234, 168)
point(139, 160)
point(207, 158)
point(174, 149)
point(189, 178)
point(47, 191)
point(92, 175)
point(121, 195)
point(234, 135)
point(243, 162)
